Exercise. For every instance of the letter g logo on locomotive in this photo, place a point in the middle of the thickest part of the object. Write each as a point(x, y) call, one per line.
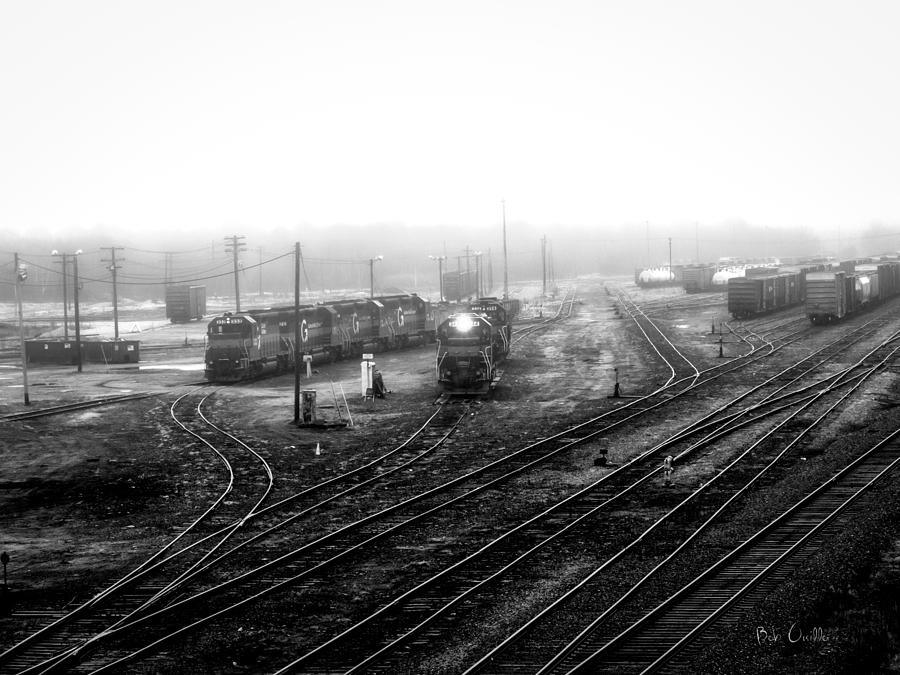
point(355, 322)
point(304, 331)
point(400, 316)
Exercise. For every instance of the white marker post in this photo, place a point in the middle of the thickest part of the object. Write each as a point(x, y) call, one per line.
point(367, 369)
point(307, 359)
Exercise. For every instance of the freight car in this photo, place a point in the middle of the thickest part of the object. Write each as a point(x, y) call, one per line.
point(765, 290)
point(246, 344)
point(185, 303)
point(460, 284)
point(832, 296)
point(698, 278)
point(471, 345)
point(758, 294)
point(657, 276)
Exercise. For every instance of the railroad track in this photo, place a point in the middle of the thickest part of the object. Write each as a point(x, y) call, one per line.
point(593, 599)
point(424, 611)
point(73, 635)
point(162, 573)
point(746, 573)
point(74, 407)
point(289, 580)
point(442, 593)
point(512, 473)
point(564, 311)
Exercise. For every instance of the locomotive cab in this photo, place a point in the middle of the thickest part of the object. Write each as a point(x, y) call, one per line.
point(465, 361)
point(231, 345)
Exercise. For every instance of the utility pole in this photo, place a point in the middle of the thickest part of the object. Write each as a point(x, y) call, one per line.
point(697, 240)
point(234, 245)
point(647, 223)
point(505, 272)
point(297, 333)
point(551, 270)
point(65, 274)
point(671, 271)
point(260, 293)
point(21, 275)
point(478, 292)
point(440, 260)
point(113, 267)
point(490, 271)
point(372, 262)
point(167, 261)
point(544, 266)
point(77, 321)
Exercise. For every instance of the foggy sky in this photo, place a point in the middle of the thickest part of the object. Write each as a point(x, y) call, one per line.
point(209, 118)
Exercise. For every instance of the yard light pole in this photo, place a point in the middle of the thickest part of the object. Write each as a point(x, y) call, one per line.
point(65, 274)
point(440, 261)
point(477, 255)
point(505, 270)
point(77, 323)
point(74, 257)
point(21, 275)
point(372, 262)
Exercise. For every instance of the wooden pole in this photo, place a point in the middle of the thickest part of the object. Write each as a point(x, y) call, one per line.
point(297, 333)
point(20, 276)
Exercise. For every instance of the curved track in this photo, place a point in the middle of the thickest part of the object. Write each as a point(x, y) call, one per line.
point(211, 542)
point(424, 606)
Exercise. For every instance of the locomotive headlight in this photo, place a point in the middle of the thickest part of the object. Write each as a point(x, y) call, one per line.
point(464, 324)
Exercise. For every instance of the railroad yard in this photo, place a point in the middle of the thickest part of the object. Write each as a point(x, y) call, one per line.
point(652, 484)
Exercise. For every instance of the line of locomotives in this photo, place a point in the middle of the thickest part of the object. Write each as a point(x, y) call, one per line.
point(829, 292)
point(247, 344)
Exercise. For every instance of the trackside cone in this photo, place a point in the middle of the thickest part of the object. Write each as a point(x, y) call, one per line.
point(318, 450)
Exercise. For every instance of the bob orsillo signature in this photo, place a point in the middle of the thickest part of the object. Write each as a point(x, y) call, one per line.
point(794, 634)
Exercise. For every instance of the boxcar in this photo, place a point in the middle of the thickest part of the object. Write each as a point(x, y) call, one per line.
point(185, 303)
point(757, 294)
point(826, 296)
point(698, 278)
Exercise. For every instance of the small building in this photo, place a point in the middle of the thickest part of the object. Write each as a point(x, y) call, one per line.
point(92, 351)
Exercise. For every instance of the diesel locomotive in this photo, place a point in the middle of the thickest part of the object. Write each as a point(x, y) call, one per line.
point(471, 345)
point(246, 344)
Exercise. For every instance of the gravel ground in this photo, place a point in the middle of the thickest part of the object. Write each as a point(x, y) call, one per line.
point(89, 495)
